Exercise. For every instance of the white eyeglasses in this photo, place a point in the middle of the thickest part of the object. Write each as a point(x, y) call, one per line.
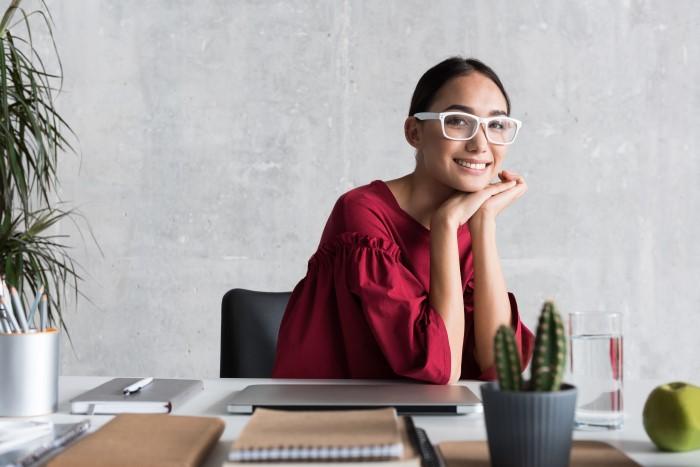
point(461, 126)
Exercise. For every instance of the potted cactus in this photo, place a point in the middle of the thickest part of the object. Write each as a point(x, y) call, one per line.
point(530, 423)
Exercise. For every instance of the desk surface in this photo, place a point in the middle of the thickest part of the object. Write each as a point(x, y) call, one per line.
point(212, 402)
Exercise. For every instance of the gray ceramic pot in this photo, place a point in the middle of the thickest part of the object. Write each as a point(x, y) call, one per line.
point(529, 429)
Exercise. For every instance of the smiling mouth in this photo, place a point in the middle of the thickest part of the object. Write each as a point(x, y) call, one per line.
point(472, 165)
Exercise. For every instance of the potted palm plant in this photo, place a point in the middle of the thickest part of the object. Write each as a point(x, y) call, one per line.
point(530, 423)
point(35, 267)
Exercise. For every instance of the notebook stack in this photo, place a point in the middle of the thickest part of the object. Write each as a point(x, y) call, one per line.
point(352, 437)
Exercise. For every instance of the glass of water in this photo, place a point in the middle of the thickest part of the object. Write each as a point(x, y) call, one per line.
point(595, 368)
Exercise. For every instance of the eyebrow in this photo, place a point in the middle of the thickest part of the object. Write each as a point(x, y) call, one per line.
point(464, 108)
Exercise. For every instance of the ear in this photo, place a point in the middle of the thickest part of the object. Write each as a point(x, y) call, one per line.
point(413, 132)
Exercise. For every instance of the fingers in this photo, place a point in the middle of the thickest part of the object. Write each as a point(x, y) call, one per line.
point(520, 189)
point(508, 175)
point(496, 188)
point(500, 201)
point(519, 180)
point(522, 186)
point(512, 183)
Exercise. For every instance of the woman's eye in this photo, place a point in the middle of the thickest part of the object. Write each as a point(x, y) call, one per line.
point(457, 121)
point(496, 125)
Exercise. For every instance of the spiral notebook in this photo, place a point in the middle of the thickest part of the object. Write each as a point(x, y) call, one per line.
point(297, 436)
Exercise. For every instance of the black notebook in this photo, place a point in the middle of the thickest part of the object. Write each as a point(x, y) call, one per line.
point(158, 397)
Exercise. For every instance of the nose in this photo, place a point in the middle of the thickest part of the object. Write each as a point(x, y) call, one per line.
point(478, 143)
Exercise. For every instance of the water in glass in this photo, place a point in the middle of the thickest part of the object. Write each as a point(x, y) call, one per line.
point(596, 370)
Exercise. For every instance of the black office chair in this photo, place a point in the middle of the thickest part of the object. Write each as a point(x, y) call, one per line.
point(250, 322)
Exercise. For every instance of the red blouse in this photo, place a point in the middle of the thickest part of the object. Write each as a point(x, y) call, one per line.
point(362, 311)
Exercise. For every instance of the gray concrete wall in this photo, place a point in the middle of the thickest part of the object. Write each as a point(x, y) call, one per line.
point(216, 136)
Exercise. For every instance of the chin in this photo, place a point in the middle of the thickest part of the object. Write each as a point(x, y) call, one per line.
point(470, 186)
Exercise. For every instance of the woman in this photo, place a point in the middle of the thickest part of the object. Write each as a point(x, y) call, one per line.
point(406, 281)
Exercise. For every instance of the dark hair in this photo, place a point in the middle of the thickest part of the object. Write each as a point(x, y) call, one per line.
point(435, 78)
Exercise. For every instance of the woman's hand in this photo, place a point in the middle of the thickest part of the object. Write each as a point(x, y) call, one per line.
point(498, 202)
point(460, 207)
point(485, 203)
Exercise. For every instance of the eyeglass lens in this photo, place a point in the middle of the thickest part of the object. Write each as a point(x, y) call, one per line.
point(463, 127)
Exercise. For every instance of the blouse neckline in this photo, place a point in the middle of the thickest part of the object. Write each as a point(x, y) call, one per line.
point(389, 195)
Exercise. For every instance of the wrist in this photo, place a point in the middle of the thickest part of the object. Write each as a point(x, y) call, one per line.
point(440, 221)
point(481, 222)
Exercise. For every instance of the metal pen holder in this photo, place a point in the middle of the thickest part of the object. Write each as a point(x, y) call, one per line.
point(29, 373)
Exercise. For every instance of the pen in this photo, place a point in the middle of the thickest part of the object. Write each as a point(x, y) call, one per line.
point(138, 385)
point(34, 306)
point(429, 456)
point(59, 442)
point(19, 309)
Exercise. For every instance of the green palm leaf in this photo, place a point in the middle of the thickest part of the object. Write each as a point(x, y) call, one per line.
point(33, 135)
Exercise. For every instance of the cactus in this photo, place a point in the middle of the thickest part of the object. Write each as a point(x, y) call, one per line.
point(548, 361)
point(550, 351)
point(507, 360)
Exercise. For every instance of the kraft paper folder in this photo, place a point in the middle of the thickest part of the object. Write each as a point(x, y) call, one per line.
point(155, 440)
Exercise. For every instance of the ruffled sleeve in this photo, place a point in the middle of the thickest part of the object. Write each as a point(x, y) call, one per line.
point(524, 338)
point(371, 280)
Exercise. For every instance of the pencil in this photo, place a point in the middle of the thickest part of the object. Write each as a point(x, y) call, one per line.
point(5, 327)
point(9, 315)
point(43, 315)
point(34, 306)
point(19, 309)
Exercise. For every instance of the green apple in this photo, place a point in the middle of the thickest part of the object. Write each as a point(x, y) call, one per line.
point(672, 417)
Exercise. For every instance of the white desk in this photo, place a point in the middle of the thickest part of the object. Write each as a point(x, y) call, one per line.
point(212, 402)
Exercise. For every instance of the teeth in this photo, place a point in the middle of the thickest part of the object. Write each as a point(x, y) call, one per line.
point(469, 165)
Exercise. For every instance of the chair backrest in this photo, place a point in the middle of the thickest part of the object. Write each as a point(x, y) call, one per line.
point(250, 322)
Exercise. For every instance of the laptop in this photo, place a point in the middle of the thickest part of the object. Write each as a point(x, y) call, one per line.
point(408, 399)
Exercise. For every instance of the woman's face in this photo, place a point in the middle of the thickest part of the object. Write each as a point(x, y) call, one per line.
point(441, 157)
